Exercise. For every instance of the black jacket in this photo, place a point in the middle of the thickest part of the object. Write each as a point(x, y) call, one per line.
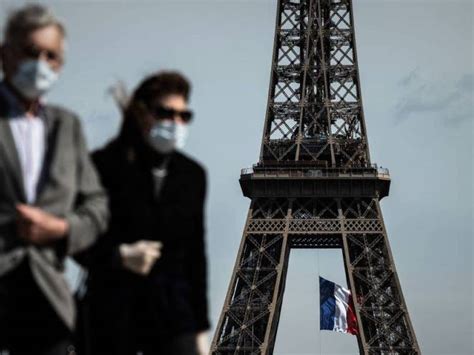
point(172, 299)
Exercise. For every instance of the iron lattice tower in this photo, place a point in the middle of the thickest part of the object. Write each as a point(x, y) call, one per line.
point(314, 187)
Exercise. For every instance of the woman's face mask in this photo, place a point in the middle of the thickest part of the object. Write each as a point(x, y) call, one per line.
point(34, 78)
point(170, 119)
point(167, 135)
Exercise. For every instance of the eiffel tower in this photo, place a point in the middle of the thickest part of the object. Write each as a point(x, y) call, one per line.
point(314, 187)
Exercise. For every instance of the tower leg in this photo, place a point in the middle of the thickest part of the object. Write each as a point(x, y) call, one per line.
point(250, 315)
point(383, 320)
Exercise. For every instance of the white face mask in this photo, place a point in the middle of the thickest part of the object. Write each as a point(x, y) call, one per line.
point(34, 78)
point(167, 135)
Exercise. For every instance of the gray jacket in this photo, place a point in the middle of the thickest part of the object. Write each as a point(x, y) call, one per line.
point(69, 187)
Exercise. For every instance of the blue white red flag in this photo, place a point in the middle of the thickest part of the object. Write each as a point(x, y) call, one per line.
point(336, 308)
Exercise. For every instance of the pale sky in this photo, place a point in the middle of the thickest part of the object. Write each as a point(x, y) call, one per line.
point(417, 80)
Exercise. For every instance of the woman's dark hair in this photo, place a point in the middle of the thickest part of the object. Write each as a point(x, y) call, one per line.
point(160, 85)
point(152, 88)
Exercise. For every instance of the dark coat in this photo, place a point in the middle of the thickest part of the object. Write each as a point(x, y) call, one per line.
point(171, 300)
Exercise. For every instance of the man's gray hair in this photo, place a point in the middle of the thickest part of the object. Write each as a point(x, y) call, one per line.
point(27, 19)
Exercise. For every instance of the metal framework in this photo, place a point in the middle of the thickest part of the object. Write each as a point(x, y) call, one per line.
point(314, 187)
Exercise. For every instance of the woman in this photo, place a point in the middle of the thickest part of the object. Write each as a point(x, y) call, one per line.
point(146, 289)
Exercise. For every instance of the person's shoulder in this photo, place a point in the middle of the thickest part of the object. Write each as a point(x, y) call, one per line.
point(62, 113)
point(107, 162)
point(188, 163)
point(105, 152)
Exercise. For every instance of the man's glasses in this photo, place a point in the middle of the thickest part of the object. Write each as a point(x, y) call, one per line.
point(32, 51)
point(163, 113)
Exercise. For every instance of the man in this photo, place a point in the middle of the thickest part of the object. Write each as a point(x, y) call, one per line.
point(51, 201)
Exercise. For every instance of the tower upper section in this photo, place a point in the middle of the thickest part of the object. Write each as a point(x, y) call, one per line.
point(314, 115)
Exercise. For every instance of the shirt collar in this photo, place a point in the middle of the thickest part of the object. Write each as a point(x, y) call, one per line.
point(14, 107)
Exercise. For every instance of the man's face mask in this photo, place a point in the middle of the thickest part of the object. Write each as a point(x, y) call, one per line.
point(34, 78)
point(167, 135)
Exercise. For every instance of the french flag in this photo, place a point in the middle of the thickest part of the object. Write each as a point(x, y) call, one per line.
point(337, 309)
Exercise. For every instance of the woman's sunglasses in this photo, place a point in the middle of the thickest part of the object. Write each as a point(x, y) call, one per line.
point(163, 113)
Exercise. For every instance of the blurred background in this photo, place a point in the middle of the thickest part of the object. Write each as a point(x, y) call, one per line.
point(417, 78)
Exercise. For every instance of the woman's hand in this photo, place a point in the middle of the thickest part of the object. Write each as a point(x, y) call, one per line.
point(202, 343)
point(139, 257)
